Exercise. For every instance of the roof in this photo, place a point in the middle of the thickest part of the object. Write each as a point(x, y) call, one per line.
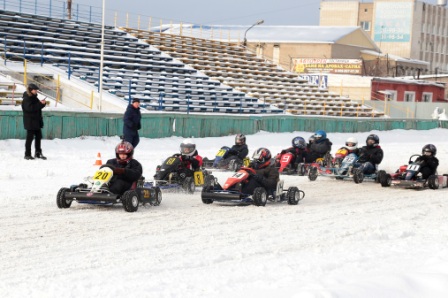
point(395, 57)
point(290, 34)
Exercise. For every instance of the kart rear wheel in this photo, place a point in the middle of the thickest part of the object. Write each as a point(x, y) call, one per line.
point(386, 180)
point(293, 195)
point(358, 176)
point(312, 174)
point(60, 199)
point(130, 201)
point(433, 182)
point(379, 175)
point(260, 196)
point(157, 196)
point(188, 185)
point(204, 200)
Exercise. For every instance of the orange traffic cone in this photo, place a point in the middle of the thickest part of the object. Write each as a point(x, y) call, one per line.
point(98, 161)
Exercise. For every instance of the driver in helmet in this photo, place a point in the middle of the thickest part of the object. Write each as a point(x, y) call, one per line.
point(190, 158)
point(126, 169)
point(266, 175)
point(428, 161)
point(298, 150)
point(370, 156)
point(319, 147)
point(240, 149)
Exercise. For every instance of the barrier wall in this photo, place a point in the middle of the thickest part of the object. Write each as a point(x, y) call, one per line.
point(63, 125)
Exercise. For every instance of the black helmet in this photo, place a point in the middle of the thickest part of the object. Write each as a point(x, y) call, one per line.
point(429, 148)
point(373, 137)
point(240, 139)
point(299, 142)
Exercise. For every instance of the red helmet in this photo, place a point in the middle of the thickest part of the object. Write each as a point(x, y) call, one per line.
point(124, 148)
point(261, 158)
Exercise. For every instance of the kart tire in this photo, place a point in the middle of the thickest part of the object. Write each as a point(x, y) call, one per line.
point(157, 196)
point(312, 174)
point(188, 185)
point(379, 175)
point(386, 180)
point(204, 200)
point(293, 195)
point(260, 196)
point(60, 199)
point(358, 176)
point(209, 181)
point(433, 182)
point(289, 170)
point(130, 201)
point(301, 169)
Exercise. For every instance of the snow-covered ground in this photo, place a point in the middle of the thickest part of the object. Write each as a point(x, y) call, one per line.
point(342, 240)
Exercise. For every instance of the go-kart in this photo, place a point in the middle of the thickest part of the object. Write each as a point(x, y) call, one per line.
point(283, 162)
point(231, 191)
point(173, 176)
point(342, 169)
point(407, 176)
point(93, 191)
point(225, 162)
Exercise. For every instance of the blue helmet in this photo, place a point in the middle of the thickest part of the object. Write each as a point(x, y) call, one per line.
point(299, 142)
point(320, 135)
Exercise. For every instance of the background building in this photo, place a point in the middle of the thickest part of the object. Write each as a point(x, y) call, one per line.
point(405, 28)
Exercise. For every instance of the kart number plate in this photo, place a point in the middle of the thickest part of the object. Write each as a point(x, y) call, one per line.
point(286, 158)
point(413, 167)
point(221, 153)
point(170, 161)
point(102, 175)
point(198, 178)
point(349, 159)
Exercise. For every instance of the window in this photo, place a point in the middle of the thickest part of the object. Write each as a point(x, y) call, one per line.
point(392, 95)
point(427, 97)
point(409, 96)
point(365, 26)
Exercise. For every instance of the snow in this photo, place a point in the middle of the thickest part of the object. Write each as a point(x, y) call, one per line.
point(342, 240)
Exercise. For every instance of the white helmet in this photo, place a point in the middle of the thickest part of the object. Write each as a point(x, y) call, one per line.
point(351, 143)
point(187, 147)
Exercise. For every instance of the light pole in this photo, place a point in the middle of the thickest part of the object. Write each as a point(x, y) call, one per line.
point(100, 83)
point(257, 23)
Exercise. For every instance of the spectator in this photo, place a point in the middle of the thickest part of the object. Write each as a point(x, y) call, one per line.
point(32, 121)
point(132, 123)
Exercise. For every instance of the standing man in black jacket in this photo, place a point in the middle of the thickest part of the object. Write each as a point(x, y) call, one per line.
point(132, 123)
point(33, 121)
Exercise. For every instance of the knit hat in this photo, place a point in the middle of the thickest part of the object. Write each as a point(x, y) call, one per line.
point(135, 100)
point(33, 87)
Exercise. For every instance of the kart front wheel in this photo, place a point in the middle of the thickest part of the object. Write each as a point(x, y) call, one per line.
point(358, 176)
point(61, 201)
point(312, 175)
point(130, 201)
point(209, 180)
point(433, 182)
point(380, 174)
point(301, 169)
point(260, 196)
point(157, 196)
point(294, 195)
point(386, 180)
point(188, 185)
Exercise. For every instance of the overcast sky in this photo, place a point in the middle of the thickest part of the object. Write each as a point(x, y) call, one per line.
point(235, 12)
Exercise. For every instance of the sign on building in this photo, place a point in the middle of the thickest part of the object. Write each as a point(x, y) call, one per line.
point(336, 66)
point(319, 80)
point(392, 21)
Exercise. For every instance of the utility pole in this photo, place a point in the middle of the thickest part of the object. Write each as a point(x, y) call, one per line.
point(69, 9)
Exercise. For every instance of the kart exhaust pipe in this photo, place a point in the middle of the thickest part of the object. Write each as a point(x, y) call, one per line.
point(223, 196)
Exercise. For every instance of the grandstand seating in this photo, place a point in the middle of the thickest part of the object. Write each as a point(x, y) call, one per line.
point(160, 81)
point(8, 94)
point(234, 66)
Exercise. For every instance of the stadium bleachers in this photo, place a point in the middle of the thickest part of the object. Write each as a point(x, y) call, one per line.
point(159, 80)
point(234, 66)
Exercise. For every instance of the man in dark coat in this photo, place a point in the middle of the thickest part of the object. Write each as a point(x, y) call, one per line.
point(266, 175)
point(132, 123)
point(33, 121)
point(320, 146)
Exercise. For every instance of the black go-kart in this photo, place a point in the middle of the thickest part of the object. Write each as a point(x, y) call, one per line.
point(94, 192)
point(173, 176)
